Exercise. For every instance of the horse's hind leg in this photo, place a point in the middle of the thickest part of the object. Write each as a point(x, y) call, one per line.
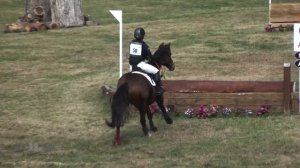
point(143, 121)
point(150, 116)
point(160, 103)
point(118, 140)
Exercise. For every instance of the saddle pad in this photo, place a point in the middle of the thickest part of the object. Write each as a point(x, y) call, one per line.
point(146, 76)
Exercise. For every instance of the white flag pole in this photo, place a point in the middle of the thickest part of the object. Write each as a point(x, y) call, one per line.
point(118, 14)
point(270, 2)
point(297, 49)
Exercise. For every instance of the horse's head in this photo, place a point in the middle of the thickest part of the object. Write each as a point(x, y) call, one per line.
point(163, 56)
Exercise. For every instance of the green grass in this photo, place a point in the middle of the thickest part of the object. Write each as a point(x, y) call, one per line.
point(52, 109)
point(233, 142)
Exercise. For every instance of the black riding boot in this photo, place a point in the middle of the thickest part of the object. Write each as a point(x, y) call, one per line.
point(158, 89)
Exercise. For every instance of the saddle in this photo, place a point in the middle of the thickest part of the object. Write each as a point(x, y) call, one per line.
point(150, 77)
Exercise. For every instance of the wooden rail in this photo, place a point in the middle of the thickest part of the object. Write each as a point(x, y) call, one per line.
point(224, 86)
point(285, 13)
point(283, 16)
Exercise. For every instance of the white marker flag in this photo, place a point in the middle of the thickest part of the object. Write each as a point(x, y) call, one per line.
point(118, 14)
point(297, 37)
point(297, 49)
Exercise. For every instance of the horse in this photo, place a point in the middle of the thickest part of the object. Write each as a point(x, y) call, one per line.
point(135, 89)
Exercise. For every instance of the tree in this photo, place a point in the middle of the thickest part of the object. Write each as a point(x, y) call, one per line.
point(65, 13)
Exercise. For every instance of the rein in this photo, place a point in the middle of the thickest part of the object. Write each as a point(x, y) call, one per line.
point(158, 66)
point(155, 63)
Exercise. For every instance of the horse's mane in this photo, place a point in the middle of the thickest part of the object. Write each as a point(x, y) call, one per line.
point(155, 57)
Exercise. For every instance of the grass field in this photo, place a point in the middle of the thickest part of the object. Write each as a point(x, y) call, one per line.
point(52, 110)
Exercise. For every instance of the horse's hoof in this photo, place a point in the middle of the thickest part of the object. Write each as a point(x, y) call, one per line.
point(154, 129)
point(146, 131)
point(169, 121)
point(117, 142)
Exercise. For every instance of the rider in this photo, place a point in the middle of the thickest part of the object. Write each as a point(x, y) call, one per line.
point(139, 52)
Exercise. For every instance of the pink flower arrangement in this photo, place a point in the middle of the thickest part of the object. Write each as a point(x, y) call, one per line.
point(206, 111)
point(262, 110)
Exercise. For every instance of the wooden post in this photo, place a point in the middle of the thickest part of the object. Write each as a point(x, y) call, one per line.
point(286, 88)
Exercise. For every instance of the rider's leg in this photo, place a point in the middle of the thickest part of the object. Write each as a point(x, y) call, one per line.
point(155, 73)
point(159, 89)
point(147, 68)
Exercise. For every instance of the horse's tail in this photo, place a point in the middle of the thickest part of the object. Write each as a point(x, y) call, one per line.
point(119, 106)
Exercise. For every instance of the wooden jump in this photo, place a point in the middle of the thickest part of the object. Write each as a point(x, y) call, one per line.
point(184, 94)
point(283, 16)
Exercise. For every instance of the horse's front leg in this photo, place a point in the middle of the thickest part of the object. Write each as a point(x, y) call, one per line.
point(160, 103)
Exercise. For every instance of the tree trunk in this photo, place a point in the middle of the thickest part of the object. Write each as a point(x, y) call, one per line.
point(37, 10)
point(67, 13)
point(64, 13)
point(48, 14)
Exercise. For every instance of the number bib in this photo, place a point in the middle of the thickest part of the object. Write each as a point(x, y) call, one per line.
point(135, 49)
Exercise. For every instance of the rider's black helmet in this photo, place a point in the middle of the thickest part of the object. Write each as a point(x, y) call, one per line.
point(139, 33)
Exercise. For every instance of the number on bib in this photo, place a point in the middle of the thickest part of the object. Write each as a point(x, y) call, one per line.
point(135, 49)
